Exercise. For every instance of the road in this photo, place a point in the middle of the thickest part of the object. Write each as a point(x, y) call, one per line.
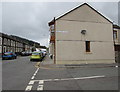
point(21, 74)
point(17, 73)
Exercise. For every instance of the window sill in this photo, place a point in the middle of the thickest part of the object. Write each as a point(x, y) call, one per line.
point(88, 52)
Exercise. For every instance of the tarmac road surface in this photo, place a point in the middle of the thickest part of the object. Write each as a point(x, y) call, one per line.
point(21, 74)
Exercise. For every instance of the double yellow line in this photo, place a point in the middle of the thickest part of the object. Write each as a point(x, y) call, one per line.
point(37, 65)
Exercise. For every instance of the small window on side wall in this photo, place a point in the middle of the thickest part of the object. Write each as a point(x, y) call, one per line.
point(115, 34)
point(87, 43)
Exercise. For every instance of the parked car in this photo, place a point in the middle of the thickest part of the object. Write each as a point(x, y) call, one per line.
point(25, 53)
point(44, 52)
point(9, 55)
point(37, 56)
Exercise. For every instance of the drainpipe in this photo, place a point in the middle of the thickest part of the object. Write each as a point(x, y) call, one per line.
point(55, 41)
point(114, 42)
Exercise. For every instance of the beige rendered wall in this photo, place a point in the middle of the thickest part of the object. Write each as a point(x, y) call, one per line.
point(71, 30)
point(72, 50)
point(70, 43)
point(84, 14)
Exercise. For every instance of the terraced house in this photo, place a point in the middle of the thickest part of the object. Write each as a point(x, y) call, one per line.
point(82, 35)
point(12, 43)
point(116, 35)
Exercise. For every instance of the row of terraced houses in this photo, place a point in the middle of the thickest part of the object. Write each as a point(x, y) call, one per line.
point(12, 43)
point(83, 35)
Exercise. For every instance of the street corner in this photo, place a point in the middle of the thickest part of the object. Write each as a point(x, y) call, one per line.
point(72, 66)
point(44, 65)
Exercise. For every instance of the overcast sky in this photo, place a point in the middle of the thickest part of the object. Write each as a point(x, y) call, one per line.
point(30, 20)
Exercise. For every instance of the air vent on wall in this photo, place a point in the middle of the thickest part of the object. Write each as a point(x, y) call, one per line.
point(83, 32)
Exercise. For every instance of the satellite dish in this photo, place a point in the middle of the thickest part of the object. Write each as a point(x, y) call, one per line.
point(83, 32)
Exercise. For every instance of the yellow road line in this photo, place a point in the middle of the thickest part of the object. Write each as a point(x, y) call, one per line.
point(37, 64)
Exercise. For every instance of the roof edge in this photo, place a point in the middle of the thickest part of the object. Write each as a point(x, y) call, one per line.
point(116, 26)
point(81, 6)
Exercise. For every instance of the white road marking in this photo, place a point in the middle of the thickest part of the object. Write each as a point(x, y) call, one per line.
point(37, 70)
point(40, 87)
point(41, 81)
point(35, 73)
point(28, 88)
point(33, 77)
point(31, 82)
point(91, 77)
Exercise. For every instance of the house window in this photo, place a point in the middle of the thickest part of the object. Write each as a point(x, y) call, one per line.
point(0, 40)
point(115, 35)
point(87, 43)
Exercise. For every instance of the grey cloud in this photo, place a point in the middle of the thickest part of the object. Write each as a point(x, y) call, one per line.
point(30, 20)
point(119, 13)
point(0, 17)
point(108, 9)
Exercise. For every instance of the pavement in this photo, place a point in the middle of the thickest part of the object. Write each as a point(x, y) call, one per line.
point(48, 62)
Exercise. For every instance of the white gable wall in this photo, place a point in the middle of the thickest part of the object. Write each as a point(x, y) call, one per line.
point(84, 13)
point(70, 43)
point(71, 30)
